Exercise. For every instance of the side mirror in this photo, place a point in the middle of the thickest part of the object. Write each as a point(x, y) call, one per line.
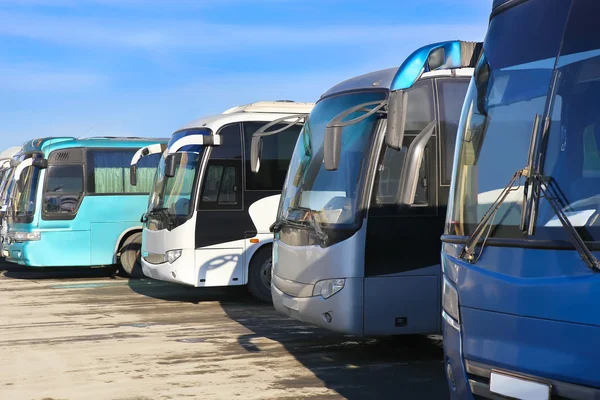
point(436, 59)
point(255, 153)
point(133, 175)
point(396, 120)
point(409, 178)
point(332, 146)
point(40, 163)
point(170, 166)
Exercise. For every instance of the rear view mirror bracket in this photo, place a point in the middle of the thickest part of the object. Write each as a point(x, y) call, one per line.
point(333, 132)
point(409, 178)
point(256, 147)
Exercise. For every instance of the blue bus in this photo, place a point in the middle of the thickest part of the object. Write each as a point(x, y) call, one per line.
point(519, 254)
point(73, 205)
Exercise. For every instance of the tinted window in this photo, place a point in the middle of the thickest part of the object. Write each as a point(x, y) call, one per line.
point(64, 178)
point(420, 107)
point(275, 160)
point(108, 172)
point(231, 144)
point(451, 94)
point(510, 86)
point(220, 186)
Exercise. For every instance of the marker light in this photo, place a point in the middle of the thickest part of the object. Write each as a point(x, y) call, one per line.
point(450, 303)
point(328, 287)
point(172, 255)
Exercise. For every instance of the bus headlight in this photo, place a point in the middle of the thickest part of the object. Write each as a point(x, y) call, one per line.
point(328, 287)
point(450, 303)
point(26, 236)
point(172, 255)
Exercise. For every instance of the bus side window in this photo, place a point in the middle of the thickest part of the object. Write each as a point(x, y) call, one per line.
point(419, 114)
point(222, 181)
point(276, 154)
point(451, 97)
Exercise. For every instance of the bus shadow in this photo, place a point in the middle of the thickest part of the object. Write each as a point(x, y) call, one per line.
point(398, 367)
point(15, 271)
point(186, 294)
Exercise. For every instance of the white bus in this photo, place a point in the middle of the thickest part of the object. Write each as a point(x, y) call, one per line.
point(208, 215)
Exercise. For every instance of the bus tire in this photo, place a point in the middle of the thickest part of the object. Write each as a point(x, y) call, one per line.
point(131, 256)
point(259, 274)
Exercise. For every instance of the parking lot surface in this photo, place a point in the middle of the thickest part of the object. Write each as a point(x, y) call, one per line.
point(83, 334)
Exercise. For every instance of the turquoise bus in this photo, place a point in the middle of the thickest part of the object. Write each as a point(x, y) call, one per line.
point(73, 204)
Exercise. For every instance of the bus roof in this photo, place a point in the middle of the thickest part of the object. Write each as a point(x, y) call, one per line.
point(46, 145)
point(260, 111)
point(383, 79)
point(279, 106)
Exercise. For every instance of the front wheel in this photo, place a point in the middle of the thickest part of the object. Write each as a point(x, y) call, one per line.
point(131, 256)
point(259, 274)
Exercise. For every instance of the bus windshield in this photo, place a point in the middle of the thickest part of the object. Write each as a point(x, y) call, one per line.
point(518, 77)
point(171, 198)
point(332, 195)
point(24, 196)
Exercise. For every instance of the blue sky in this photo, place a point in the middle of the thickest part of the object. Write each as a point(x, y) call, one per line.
point(146, 67)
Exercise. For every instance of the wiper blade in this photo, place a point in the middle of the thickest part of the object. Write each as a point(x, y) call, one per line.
point(162, 212)
point(486, 222)
point(315, 224)
point(549, 193)
point(280, 222)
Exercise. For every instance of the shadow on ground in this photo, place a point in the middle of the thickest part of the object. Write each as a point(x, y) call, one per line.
point(15, 271)
point(391, 368)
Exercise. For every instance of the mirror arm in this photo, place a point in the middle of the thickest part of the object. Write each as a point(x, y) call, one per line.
point(412, 164)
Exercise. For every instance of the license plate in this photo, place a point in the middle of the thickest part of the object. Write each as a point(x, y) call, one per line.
point(518, 388)
point(290, 303)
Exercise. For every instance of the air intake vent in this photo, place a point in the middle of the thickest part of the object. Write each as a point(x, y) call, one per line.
point(62, 156)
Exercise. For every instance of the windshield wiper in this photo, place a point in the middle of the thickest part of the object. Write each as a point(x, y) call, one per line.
point(280, 222)
point(549, 193)
point(538, 182)
point(164, 213)
point(486, 222)
point(314, 223)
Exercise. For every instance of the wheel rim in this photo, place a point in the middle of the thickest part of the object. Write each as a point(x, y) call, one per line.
point(265, 273)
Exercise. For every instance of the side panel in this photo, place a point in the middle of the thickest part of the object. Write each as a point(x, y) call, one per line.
point(220, 266)
point(400, 305)
point(109, 217)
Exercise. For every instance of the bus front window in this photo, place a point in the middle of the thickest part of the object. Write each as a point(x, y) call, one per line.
point(333, 196)
point(171, 199)
point(510, 86)
point(24, 196)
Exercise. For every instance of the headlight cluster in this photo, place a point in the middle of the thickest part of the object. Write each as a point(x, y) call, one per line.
point(172, 255)
point(328, 287)
point(25, 236)
point(450, 304)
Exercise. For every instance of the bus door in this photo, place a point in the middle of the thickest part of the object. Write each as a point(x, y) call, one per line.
point(402, 245)
point(222, 215)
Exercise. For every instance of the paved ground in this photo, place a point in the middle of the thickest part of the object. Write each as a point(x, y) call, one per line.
point(86, 335)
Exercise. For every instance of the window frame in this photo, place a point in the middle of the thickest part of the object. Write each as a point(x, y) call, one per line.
point(63, 216)
point(414, 210)
point(89, 176)
point(246, 160)
point(239, 179)
point(441, 133)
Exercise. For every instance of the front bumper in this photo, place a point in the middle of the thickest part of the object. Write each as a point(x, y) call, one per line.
point(180, 271)
point(345, 308)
